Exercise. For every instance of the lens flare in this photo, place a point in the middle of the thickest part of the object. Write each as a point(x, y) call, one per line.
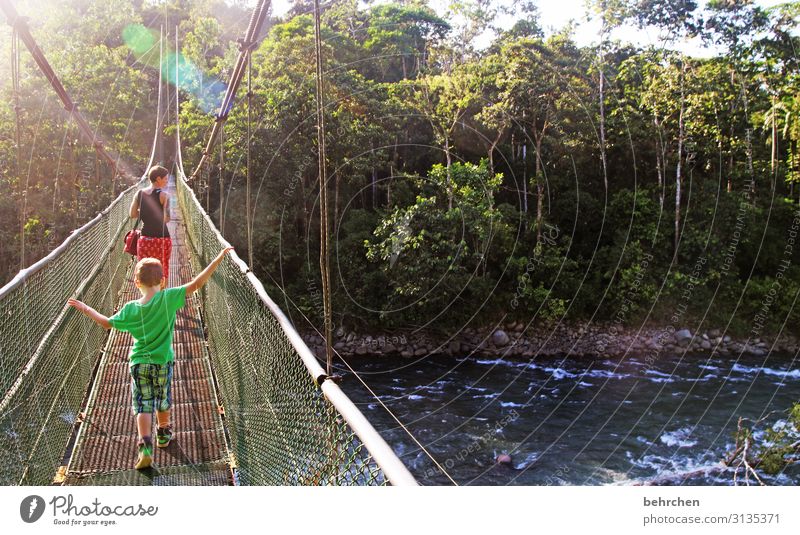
point(138, 38)
point(180, 71)
point(176, 69)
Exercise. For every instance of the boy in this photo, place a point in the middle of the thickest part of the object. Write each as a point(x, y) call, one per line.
point(151, 322)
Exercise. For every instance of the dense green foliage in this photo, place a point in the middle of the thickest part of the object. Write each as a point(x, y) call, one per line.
point(531, 177)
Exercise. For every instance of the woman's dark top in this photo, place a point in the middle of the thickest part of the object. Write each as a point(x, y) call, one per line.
point(152, 213)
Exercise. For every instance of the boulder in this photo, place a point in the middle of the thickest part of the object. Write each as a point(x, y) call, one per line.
point(500, 338)
point(714, 333)
point(706, 344)
point(683, 337)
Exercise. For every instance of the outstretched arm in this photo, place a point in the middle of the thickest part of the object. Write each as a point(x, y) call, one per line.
point(100, 319)
point(200, 280)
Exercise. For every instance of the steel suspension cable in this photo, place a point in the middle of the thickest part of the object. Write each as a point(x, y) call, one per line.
point(23, 193)
point(247, 45)
point(324, 254)
point(248, 208)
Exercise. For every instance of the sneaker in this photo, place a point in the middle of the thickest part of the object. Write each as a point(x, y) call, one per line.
point(145, 459)
point(163, 436)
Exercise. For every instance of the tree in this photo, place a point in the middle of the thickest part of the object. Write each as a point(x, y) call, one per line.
point(611, 14)
point(535, 83)
point(443, 100)
point(399, 37)
point(676, 20)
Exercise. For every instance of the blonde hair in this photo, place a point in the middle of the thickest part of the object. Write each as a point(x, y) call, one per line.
point(149, 272)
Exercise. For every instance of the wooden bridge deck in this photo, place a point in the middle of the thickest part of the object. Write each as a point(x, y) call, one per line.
point(105, 447)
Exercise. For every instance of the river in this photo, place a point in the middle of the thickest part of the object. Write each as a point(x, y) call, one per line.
point(569, 421)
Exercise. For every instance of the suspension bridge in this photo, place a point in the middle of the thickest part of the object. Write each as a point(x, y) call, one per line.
point(252, 404)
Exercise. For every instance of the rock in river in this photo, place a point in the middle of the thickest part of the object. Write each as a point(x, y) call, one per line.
point(500, 338)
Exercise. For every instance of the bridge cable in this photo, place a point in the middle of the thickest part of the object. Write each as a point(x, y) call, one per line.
point(246, 46)
point(248, 208)
point(324, 243)
point(18, 141)
point(19, 24)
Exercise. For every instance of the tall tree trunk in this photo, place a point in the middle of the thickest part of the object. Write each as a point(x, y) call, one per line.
point(336, 203)
point(748, 143)
point(774, 155)
point(492, 148)
point(661, 167)
point(539, 190)
point(719, 143)
point(524, 177)
point(601, 64)
point(603, 129)
point(449, 178)
point(678, 178)
point(732, 134)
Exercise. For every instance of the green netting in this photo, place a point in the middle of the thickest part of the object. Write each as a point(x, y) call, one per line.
point(216, 474)
point(48, 351)
point(282, 429)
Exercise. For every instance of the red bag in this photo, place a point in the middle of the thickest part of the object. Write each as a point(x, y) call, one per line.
point(132, 237)
point(132, 240)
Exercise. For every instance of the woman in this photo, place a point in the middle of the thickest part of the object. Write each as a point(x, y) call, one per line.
point(152, 205)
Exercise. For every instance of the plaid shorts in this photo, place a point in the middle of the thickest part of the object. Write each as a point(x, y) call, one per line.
point(151, 387)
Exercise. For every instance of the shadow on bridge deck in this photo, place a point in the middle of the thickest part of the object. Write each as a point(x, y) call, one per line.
point(105, 447)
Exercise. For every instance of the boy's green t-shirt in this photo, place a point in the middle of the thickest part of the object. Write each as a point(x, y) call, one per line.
point(151, 325)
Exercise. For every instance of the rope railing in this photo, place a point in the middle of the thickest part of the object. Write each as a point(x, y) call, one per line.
point(47, 351)
point(284, 427)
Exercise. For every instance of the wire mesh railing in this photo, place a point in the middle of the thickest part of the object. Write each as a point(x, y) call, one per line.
point(284, 428)
point(48, 353)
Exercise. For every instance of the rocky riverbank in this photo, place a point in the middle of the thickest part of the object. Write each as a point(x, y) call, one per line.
point(516, 341)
